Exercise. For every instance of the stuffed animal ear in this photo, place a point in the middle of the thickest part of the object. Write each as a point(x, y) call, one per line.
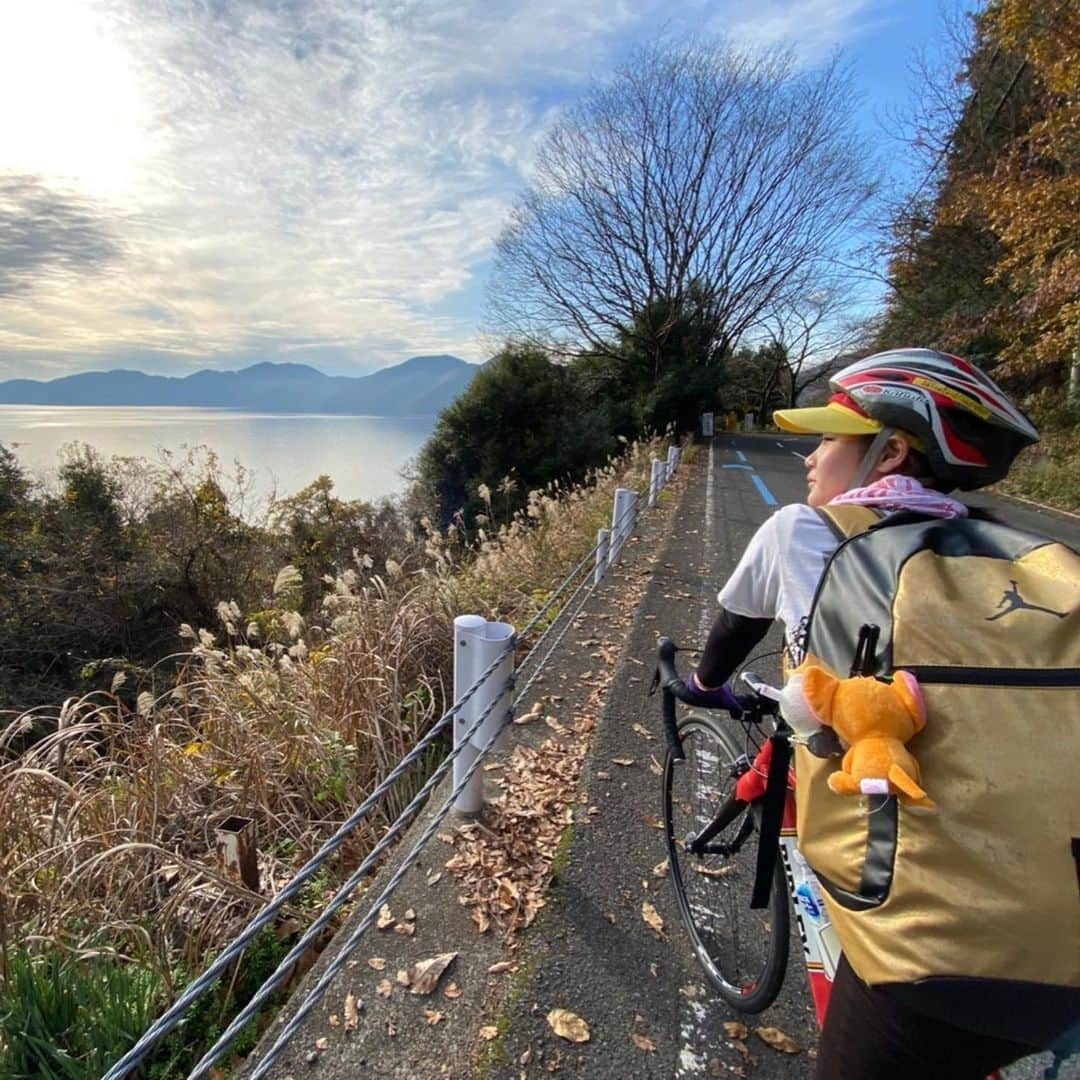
point(819, 689)
point(910, 693)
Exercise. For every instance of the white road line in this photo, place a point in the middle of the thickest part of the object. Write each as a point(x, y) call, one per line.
point(701, 1018)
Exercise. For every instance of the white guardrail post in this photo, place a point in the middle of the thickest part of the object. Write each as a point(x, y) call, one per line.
point(672, 460)
point(622, 521)
point(656, 479)
point(707, 420)
point(603, 545)
point(477, 643)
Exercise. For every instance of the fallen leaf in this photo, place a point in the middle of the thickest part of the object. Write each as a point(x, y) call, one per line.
point(501, 966)
point(568, 1025)
point(610, 916)
point(352, 1012)
point(408, 929)
point(334, 1020)
point(624, 761)
point(489, 1032)
point(603, 776)
point(432, 878)
point(661, 869)
point(479, 916)
point(403, 978)
point(322, 1043)
point(653, 821)
point(385, 919)
point(384, 989)
point(643, 1042)
point(655, 767)
point(735, 1029)
point(376, 963)
point(652, 917)
point(777, 1039)
point(644, 732)
point(451, 991)
point(654, 969)
point(714, 871)
point(433, 1017)
point(425, 974)
point(445, 837)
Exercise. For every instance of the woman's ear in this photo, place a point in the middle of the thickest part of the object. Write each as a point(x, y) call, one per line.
point(893, 454)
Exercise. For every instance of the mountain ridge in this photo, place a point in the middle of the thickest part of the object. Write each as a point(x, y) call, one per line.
point(421, 385)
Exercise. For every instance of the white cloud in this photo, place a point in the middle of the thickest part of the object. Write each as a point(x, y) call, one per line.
point(282, 176)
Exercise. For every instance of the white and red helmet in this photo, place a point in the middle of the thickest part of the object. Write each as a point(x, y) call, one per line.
point(963, 422)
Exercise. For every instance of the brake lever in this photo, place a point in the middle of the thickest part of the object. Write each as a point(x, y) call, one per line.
point(655, 684)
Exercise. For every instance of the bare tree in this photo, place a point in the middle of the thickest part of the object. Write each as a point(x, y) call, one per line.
point(700, 177)
point(811, 334)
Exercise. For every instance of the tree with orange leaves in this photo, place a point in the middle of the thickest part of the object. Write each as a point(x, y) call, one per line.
point(1030, 196)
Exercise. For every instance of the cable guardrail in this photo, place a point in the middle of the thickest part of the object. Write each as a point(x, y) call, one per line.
point(628, 515)
point(174, 1014)
point(214, 1054)
point(339, 961)
point(622, 527)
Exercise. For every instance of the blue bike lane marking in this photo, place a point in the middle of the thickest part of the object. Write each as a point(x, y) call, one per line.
point(766, 495)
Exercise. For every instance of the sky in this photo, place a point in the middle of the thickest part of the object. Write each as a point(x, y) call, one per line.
point(190, 184)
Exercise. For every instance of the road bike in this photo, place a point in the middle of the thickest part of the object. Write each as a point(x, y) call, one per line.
point(727, 783)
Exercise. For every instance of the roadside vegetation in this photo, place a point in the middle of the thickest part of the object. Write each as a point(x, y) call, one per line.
point(288, 708)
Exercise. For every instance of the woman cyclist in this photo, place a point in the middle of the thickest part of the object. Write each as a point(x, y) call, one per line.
point(900, 429)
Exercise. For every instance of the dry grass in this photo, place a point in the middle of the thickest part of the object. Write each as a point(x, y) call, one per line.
point(107, 825)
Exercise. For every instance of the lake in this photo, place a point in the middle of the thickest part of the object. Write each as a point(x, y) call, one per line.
point(362, 454)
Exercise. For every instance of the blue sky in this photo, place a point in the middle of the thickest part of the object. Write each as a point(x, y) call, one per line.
point(209, 183)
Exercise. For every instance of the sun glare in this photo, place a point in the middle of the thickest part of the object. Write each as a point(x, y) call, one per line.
point(70, 109)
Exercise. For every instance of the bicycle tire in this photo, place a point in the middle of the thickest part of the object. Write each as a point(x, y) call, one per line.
point(744, 952)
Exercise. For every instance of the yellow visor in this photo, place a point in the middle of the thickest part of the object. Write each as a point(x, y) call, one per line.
point(831, 419)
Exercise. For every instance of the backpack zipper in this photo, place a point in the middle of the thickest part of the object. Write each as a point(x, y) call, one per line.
point(973, 676)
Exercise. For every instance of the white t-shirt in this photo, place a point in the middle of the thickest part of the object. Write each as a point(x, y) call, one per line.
point(779, 572)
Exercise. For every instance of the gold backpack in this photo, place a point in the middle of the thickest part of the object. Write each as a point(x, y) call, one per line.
point(987, 617)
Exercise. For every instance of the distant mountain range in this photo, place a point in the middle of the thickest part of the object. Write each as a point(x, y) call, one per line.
point(422, 385)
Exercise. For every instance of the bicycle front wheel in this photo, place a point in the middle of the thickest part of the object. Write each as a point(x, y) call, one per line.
point(744, 952)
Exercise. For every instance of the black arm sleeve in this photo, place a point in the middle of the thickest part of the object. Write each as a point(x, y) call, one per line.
point(730, 641)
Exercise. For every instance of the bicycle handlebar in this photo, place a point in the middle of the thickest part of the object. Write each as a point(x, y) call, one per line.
point(673, 687)
point(672, 684)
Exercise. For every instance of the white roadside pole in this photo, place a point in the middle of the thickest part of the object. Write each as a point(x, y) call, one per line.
point(603, 544)
point(477, 643)
point(656, 479)
point(622, 520)
point(707, 421)
point(672, 460)
point(748, 422)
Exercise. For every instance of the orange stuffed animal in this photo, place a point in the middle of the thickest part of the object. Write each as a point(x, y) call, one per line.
point(874, 718)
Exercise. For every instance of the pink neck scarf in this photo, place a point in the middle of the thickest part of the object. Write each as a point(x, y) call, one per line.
point(903, 493)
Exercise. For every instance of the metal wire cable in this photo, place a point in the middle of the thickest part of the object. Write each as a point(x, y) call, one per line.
point(317, 991)
point(569, 622)
point(172, 1016)
point(632, 511)
point(591, 555)
point(255, 1004)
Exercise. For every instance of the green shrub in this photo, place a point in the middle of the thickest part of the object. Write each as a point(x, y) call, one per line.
point(68, 1018)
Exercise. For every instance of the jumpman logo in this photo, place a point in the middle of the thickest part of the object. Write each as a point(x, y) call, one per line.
point(1011, 601)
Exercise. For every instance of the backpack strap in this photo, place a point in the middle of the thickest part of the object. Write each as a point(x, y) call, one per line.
point(849, 519)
